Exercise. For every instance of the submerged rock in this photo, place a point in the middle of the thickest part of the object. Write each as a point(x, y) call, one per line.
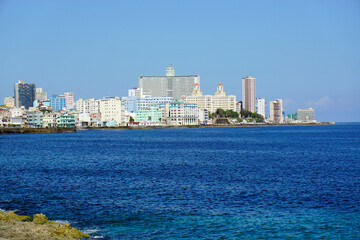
point(13, 226)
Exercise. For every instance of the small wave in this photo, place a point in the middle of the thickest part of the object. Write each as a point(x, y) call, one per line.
point(61, 221)
point(2, 210)
point(89, 231)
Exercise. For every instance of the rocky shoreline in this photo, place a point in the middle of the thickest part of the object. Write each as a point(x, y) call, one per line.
point(38, 227)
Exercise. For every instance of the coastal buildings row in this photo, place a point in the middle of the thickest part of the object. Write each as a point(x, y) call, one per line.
point(169, 99)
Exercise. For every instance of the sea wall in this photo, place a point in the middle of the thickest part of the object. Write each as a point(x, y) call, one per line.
point(12, 130)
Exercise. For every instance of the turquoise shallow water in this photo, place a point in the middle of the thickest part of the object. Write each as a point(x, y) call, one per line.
point(218, 183)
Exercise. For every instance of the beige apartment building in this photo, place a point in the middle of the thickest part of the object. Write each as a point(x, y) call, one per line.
point(112, 109)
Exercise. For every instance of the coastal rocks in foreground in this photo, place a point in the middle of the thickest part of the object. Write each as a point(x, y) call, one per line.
point(13, 226)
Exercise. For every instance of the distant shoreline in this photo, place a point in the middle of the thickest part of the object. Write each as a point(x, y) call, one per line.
point(62, 130)
point(205, 126)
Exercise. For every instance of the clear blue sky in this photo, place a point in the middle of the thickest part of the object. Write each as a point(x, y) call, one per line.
point(305, 52)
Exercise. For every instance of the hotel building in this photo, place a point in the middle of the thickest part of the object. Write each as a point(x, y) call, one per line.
point(169, 85)
point(211, 102)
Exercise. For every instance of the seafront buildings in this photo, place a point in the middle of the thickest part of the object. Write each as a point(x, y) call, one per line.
point(248, 93)
point(169, 85)
point(159, 100)
point(24, 94)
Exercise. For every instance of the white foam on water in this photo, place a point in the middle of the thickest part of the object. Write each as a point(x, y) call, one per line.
point(2, 210)
point(89, 231)
point(60, 221)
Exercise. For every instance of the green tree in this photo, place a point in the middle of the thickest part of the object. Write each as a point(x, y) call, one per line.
point(131, 119)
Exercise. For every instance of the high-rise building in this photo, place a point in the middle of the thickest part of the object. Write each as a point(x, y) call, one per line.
point(58, 103)
point(306, 115)
point(260, 106)
point(40, 96)
point(212, 102)
point(169, 85)
point(24, 94)
point(9, 102)
point(69, 99)
point(276, 115)
point(248, 93)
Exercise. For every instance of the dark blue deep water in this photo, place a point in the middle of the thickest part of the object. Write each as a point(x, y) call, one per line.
point(213, 183)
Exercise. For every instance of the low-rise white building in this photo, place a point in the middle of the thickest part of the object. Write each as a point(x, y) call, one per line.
point(9, 102)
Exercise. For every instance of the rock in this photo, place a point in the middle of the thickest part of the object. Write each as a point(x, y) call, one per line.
point(17, 227)
point(10, 216)
point(40, 219)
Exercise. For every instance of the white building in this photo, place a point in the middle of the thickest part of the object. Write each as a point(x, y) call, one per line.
point(17, 112)
point(135, 103)
point(91, 106)
point(135, 92)
point(260, 106)
point(211, 102)
point(203, 116)
point(40, 96)
point(276, 111)
point(112, 110)
point(169, 85)
point(9, 102)
point(49, 120)
point(179, 113)
point(306, 115)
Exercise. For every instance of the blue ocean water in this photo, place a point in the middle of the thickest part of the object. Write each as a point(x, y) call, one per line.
point(207, 183)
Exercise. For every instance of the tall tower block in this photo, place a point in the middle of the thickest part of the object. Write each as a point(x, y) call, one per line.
point(249, 93)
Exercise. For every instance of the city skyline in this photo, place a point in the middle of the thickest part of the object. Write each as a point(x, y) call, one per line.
point(305, 53)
